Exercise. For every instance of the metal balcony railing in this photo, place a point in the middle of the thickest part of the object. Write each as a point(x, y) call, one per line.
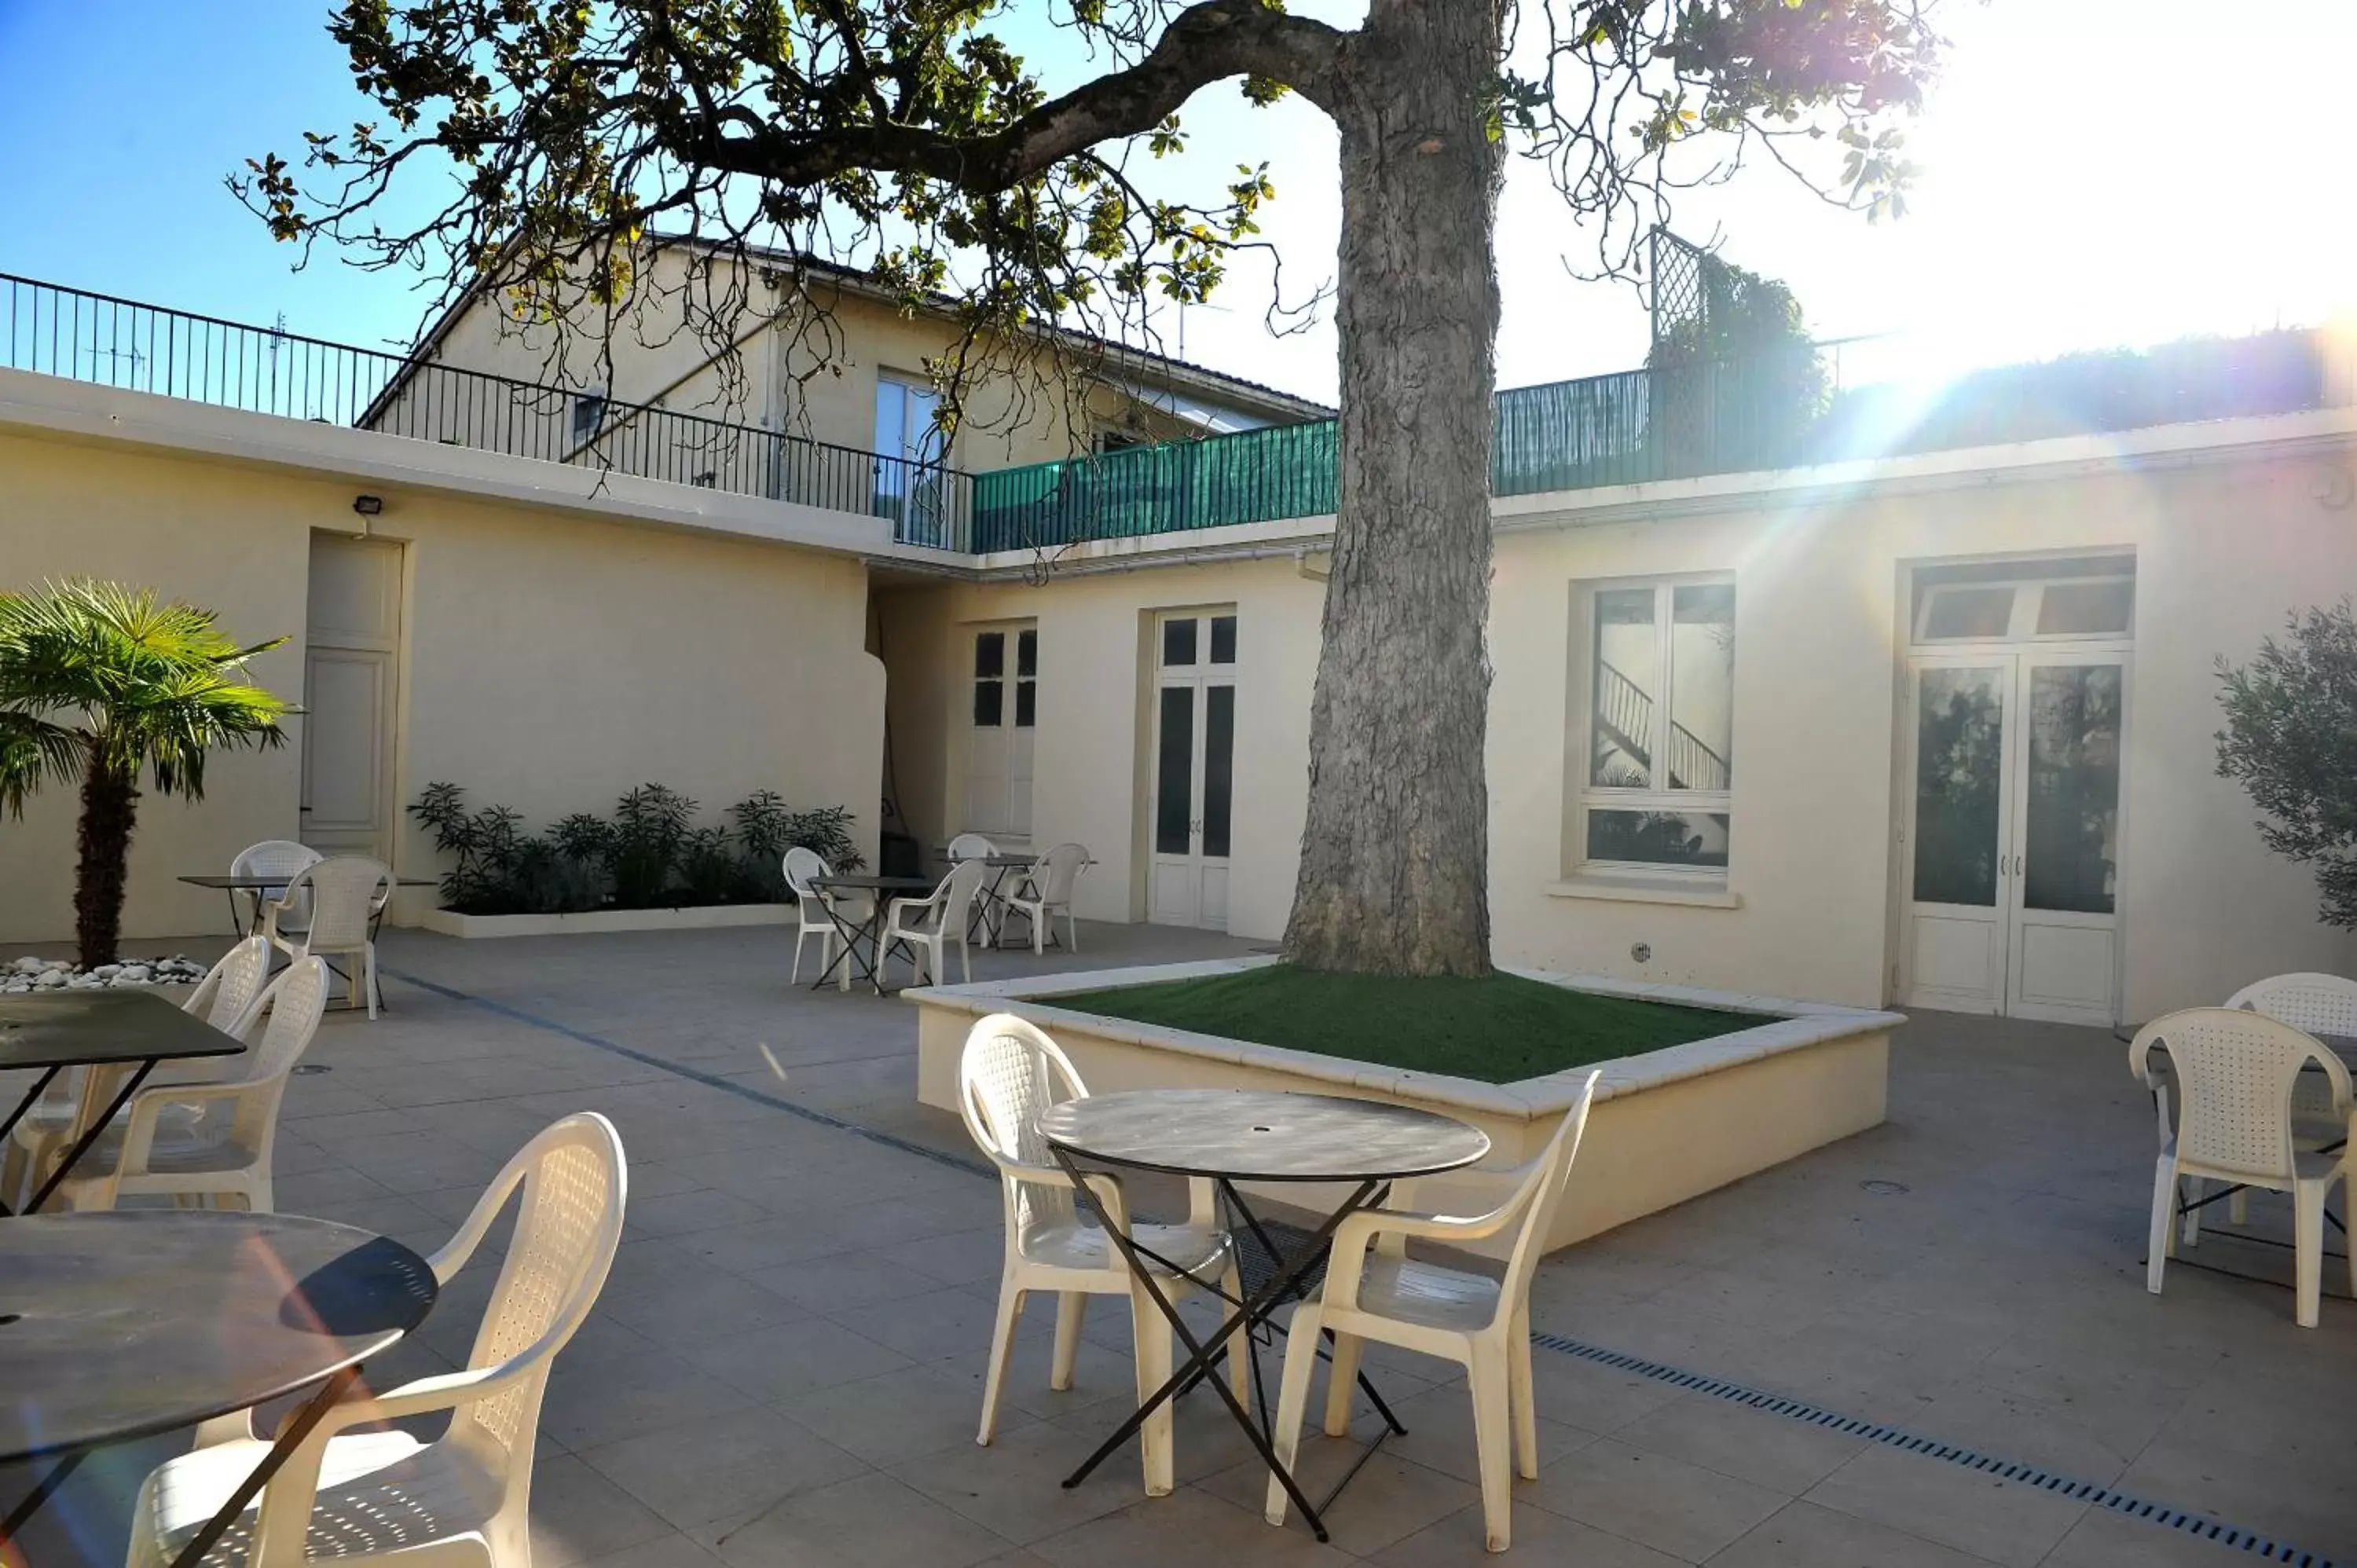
point(114, 342)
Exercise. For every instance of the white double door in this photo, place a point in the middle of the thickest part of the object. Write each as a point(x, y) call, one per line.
point(1190, 806)
point(2010, 856)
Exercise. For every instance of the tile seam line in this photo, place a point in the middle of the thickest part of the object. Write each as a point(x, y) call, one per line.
point(2183, 1521)
point(694, 1075)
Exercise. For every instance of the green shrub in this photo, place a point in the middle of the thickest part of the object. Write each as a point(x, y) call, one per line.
point(649, 856)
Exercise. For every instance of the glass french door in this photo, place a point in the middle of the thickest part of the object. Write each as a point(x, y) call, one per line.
point(1191, 799)
point(2011, 846)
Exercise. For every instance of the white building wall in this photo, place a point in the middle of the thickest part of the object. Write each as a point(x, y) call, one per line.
point(2225, 544)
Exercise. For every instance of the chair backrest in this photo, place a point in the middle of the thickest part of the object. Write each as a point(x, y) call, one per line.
point(294, 1003)
point(575, 1185)
point(971, 846)
point(280, 859)
point(1058, 870)
point(954, 898)
point(1543, 1190)
point(803, 866)
point(274, 857)
point(2312, 1003)
point(2235, 1070)
point(228, 992)
point(1009, 1074)
point(346, 892)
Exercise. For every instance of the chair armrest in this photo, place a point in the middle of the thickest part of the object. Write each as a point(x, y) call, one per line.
point(147, 1105)
point(1387, 1231)
point(1104, 1185)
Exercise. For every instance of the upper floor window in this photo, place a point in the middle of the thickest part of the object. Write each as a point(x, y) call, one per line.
point(909, 452)
point(1661, 726)
point(589, 414)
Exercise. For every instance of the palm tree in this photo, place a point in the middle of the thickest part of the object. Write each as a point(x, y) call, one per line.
point(97, 682)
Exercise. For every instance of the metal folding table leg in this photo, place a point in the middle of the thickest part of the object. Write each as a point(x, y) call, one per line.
point(82, 1144)
point(1253, 1310)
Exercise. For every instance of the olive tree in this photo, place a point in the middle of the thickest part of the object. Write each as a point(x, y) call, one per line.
point(908, 137)
point(2291, 740)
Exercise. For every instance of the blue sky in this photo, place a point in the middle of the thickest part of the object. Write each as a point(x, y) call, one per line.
point(2094, 178)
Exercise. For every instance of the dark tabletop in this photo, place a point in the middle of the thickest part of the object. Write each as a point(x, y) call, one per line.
point(876, 884)
point(1009, 861)
point(1257, 1136)
point(124, 1325)
point(264, 884)
point(72, 1028)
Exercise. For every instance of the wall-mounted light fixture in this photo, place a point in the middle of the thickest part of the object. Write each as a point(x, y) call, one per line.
point(368, 506)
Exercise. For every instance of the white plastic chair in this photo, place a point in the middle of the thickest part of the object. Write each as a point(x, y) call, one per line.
point(925, 926)
point(278, 858)
point(802, 868)
point(1048, 888)
point(2314, 1005)
point(225, 998)
point(464, 1496)
point(344, 893)
point(225, 1150)
point(1374, 1291)
point(971, 846)
point(1010, 1073)
point(2234, 1072)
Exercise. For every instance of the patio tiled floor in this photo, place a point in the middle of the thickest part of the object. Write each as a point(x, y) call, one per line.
point(785, 1366)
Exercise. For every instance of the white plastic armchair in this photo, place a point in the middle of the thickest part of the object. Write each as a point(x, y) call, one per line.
point(1009, 1074)
point(1374, 1291)
point(1047, 888)
point(2314, 1005)
point(225, 998)
point(2235, 1072)
point(279, 859)
point(924, 927)
point(344, 894)
point(224, 1150)
point(803, 867)
point(971, 846)
point(464, 1496)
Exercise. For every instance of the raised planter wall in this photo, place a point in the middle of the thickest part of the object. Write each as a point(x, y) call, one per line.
point(1666, 1126)
point(450, 923)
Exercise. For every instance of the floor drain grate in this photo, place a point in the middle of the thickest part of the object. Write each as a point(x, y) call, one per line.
point(2088, 1492)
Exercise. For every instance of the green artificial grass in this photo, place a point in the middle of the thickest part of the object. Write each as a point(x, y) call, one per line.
point(1499, 1030)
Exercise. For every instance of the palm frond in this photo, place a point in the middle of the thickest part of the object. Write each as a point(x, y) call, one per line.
point(33, 752)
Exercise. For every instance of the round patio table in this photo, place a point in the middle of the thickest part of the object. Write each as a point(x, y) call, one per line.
point(870, 931)
point(119, 1326)
point(1250, 1136)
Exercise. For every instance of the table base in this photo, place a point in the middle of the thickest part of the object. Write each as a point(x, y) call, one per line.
point(1285, 1282)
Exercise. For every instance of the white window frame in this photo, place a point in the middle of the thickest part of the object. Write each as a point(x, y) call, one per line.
point(2028, 592)
point(1595, 797)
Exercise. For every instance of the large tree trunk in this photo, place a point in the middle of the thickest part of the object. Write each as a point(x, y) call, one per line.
point(1395, 857)
point(110, 807)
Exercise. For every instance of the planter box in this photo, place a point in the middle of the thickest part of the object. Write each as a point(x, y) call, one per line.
point(1666, 1126)
point(450, 923)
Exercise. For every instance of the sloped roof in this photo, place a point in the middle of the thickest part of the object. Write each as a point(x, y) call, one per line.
point(1251, 396)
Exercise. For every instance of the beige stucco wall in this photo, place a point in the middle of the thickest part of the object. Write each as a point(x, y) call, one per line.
point(2225, 543)
point(550, 660)
point(1088, 762)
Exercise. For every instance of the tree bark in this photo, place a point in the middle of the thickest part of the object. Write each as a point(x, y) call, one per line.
point(109, 808)
point(1394, 854)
